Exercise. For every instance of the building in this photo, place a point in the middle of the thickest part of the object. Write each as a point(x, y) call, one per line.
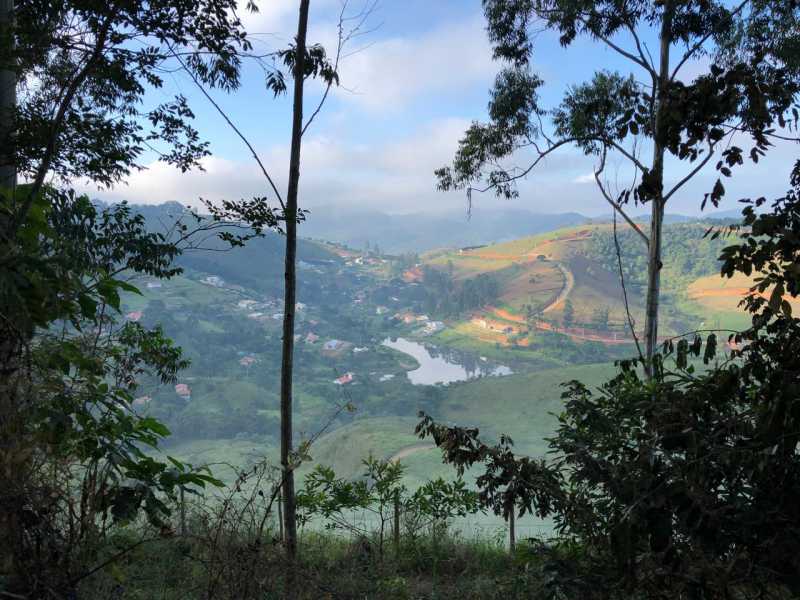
point(134, 316)
point(213, 280)
point(184, 391)
point(247, 361)
point(311, 337)
point(360, 350)
point(432, 327)
point(142, 401)
point(344, 379)
point(153, 285)
point(333, 344)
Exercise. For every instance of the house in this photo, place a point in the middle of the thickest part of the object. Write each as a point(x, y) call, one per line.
point(333, 344)
point(247, 361)
point(381, 310)
point(256, 315)
point(311, 338)
point(277, 316)
point(344, 379)
point(299, 306)
point(183, 391)
point(423, 318)
point(432, 327)
point(142, 401)
point(153, 285)
point(213, 280)
point(386, 377)
point(134, 316)
point(360, 350)
point(246, 304)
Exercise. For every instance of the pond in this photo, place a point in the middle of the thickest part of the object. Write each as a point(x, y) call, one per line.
point(443, 366)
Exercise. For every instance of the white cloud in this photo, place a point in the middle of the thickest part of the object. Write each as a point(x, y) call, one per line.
point(396, 177)
point(391, 73)
point(586, 178)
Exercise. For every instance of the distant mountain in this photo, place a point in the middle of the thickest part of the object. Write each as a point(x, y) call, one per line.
point(419, 232)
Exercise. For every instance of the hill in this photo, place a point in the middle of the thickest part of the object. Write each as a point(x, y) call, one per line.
point(568, 281)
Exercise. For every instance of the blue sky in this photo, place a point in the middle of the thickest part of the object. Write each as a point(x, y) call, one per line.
point(410, 87)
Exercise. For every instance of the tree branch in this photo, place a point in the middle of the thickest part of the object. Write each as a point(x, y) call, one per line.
point(232, 126)
point(629, 55)
point(55, 129)
point(702, 41)
point(616, 205)
point(691, 173)
point(631, 323)
point(341, 43)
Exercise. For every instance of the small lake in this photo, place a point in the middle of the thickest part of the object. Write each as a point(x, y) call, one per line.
point(439, 366)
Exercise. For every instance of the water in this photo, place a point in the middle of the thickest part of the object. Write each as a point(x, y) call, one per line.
point(439, 366)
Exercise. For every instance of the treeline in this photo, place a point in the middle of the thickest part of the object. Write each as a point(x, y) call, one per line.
point(688, 253)
point(447, 297)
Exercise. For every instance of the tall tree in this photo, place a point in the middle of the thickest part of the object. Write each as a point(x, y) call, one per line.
point(290, 291)
point(751, 82)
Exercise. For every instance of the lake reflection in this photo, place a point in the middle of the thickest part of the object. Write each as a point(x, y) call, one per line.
point(438, 366)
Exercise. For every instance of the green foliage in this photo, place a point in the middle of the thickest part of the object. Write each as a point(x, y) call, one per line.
point(380, 492)
point(751, 85)
point(684, 483)
point(569, 313)
point(589, 113)
point(687, 254)
point(449, 298)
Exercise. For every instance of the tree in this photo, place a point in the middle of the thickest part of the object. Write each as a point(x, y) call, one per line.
point(731, 428)
point(569, 314)
point(751, 83)
point(685, 483)
point(289, 511)
point(600, 317)
point(68, 367)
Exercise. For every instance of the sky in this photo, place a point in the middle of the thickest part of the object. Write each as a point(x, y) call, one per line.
point(410, 86)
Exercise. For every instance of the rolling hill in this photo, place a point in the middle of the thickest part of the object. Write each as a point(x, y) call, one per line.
point(568, 281)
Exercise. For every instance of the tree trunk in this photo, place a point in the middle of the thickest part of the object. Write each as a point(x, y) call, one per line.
point(8, 96)
point(657, 183)
point(289, 516)
point(512, 533)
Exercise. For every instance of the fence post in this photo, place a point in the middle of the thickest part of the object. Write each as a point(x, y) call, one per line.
point(397, 524)
point(512, 536)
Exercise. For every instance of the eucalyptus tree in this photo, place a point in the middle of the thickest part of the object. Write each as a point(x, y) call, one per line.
point(749, 76)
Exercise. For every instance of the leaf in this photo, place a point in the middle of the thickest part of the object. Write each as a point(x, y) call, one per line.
point(776, 297)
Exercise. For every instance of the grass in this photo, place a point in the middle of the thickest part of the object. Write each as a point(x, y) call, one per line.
point(522, 406)
point(242, 565)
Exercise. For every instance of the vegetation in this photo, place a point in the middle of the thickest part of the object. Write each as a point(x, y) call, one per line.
point(634, 463)
point(614, 113)
point(410, 395)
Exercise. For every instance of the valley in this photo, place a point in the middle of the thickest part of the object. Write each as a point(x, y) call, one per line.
point(481, 336)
